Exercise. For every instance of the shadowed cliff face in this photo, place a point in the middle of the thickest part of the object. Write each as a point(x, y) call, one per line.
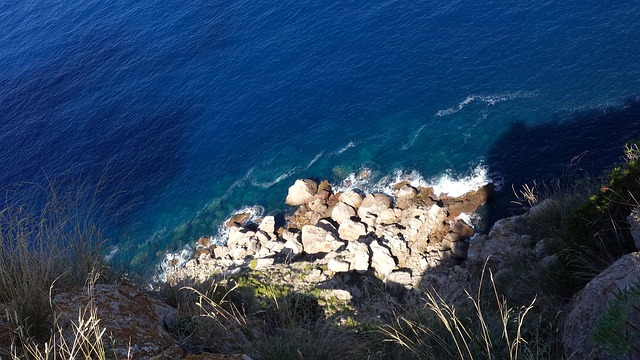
point(591, 140)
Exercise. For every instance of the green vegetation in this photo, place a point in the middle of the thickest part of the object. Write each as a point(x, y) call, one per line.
point(618, 329)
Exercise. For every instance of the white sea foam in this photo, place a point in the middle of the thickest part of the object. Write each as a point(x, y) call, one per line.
point(386, 183)
point(470, 219)
point(287, 174)
point(255, 212)
point(443, 184)
point(487, 99)
point(240, 182)
point(601, 104)
point(284, 175)
point(172, 260)
point(451, 186)
point(313, 161)
point(350, 145)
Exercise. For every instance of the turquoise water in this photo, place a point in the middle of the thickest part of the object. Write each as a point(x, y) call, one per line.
point(199, 109)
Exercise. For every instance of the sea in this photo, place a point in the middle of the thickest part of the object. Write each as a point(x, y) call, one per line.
point(181, 113)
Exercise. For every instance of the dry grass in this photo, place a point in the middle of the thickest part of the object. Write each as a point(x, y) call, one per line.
point(86, 340)
point(47, 236)
point(475, 330)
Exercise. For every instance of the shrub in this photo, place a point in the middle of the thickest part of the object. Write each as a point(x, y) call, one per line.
point(598, 233)
point(617, 330)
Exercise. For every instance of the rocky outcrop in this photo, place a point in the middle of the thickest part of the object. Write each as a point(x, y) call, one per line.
point(507, 238)
point(592, 301)
point(134, 323)
point(395, 238)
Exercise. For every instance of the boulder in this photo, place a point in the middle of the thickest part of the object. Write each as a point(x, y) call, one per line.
point(405, 196)
point(204, 242)
point(268, 225)
point(221, 252)
point(468, 202)
point(302, 192)
point(352, 198)
point(358, 255)
point(352, 230)
point(399, 279)
point(506, 239)
point(134, 322)
point(318, 240)
point(338, 265)
point(463, 229)
point(342, 212)
point(318, 206)
point(263, 237)
point(374, 205)
point(592, 301)
point(324, 190)
point(262, 263)
point(389, 216)
point(399, 249)
point(381, 260)
point(406, 192)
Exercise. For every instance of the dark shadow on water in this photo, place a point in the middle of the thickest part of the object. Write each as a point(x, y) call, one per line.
point(543, 152)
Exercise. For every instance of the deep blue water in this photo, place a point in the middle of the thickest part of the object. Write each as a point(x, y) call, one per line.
point(196, 109)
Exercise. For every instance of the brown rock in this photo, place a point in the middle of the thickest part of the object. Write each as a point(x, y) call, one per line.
point(324, 190)
point(237, 220)
point(201, 251)
point(405, 195)
point(134, 322)
point(463, 229)
point(468, 202)
point(203, 241)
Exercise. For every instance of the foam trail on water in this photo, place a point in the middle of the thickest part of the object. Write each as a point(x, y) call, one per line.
point(313, 161)
point(240, 182)
point(488, 99)
point(287, 174)
point(280, 177)
point(350, 145)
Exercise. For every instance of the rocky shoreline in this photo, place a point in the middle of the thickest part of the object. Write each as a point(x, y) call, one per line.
point(406, 240)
